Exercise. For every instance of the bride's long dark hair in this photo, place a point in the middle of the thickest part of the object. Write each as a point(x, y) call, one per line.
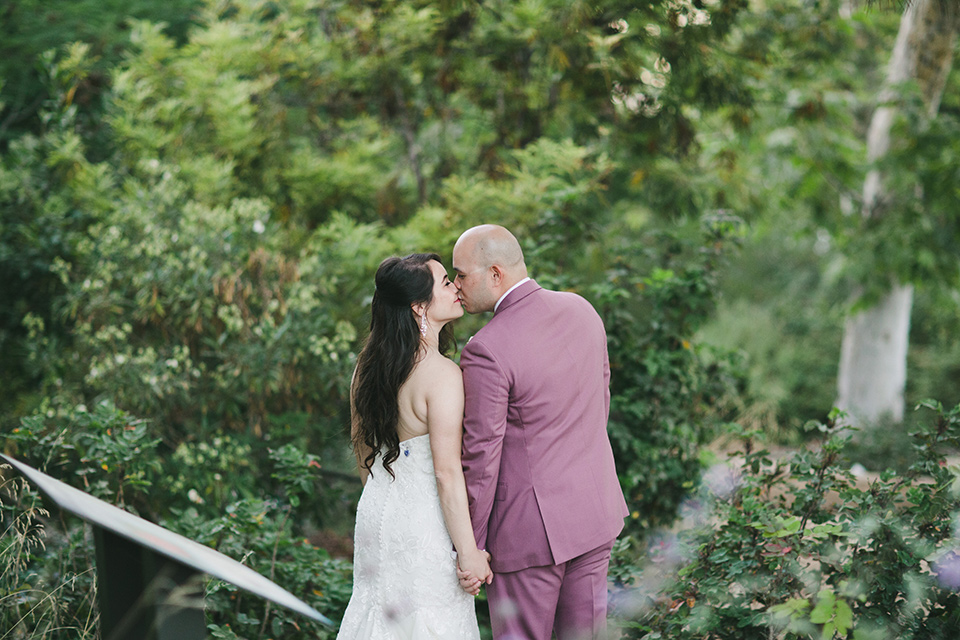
point(390, 353)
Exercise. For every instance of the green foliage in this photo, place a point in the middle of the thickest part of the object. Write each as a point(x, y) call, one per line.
point(669, 395)
point(797, 174)
point(261, 534)
point(799, 548)
point(48, 584)
point(781, 310)
point(233, 155)
point(39, 228)
point(915, 234)
point(111, 452)
point(31, 28)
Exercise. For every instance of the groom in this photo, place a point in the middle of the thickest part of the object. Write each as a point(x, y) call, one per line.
point(544, 496)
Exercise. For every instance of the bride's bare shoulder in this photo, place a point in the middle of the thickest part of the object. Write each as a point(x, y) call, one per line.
point(441, 370)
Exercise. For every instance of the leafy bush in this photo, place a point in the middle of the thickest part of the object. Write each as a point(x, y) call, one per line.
point(798, 548)
point(47, 581)
point(262, 534)
point(669, 394)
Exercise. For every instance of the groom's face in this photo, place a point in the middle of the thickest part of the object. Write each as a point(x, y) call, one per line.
point(473, 281)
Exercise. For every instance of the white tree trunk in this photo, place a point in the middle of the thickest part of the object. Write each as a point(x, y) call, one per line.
point(873, 359)
point(873, 356)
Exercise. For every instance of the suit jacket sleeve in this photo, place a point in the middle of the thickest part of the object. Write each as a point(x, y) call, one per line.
point(606, 380)
point(486, 393)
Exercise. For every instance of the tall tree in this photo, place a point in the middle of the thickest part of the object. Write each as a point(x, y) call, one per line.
point(28, 28)
point(873, 359)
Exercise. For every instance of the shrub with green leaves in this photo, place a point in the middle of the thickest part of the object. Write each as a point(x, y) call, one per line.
point(669, 395)
point(799, 548)
point(263, 535)
point(47, 572)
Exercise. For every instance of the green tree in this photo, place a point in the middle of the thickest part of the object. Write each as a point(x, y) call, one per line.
point(31, 27)
point(873, 362)
point(799, 169)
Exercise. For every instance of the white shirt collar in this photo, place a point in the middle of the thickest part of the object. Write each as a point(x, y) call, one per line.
point(497, 306)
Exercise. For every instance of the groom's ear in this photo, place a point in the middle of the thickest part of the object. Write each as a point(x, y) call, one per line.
point(497, 274)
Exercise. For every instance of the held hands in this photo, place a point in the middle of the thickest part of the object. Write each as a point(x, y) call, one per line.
point(473, 570)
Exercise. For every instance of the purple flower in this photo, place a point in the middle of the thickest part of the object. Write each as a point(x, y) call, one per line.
point(947, 569)
point(722, 480)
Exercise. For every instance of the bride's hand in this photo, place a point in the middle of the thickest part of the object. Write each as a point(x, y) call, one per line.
point(468, 582)
point(473, 569)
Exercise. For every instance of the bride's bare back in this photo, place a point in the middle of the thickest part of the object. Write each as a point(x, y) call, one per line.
point(434, 388)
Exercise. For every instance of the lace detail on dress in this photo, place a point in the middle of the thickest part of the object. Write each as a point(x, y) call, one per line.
point(404, 576)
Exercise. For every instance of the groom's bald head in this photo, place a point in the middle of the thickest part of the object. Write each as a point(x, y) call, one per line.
point(491, 244)
point(488, 261)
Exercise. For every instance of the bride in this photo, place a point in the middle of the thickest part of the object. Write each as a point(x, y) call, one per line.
point(407, 412)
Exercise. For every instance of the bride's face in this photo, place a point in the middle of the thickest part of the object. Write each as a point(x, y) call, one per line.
point(445, 305)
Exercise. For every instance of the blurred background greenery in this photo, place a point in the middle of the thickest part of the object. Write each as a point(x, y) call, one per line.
point(194, 196)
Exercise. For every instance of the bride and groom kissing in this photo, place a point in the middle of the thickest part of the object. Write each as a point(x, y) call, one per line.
point(496, 472)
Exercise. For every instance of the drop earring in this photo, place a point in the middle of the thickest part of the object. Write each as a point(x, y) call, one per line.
point(423, 324)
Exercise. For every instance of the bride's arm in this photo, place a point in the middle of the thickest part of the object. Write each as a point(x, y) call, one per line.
point(445, 423)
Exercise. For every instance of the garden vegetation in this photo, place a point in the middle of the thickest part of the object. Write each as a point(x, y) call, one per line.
point(194, 197)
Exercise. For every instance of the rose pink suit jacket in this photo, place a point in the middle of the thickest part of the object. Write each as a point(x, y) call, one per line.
point(540, 475)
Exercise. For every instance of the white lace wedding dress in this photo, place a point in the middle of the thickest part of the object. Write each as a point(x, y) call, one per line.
point(405, 583)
